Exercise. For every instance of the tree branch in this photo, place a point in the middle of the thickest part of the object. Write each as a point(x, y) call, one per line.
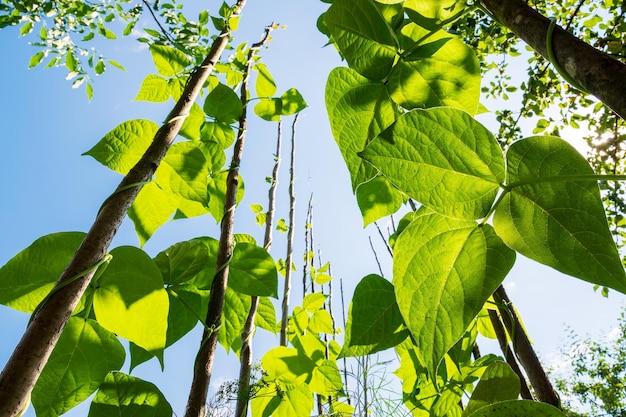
point(592, 69)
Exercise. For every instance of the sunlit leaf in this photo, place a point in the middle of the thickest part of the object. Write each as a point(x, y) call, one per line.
point(444, 270)
point(498, 383)
point(252, 271)
point(265, 85)
point(374, 320)
point(326, 379)
point(168, 61)
point(130, 300)
point(122, 147)
point(377, 198)
point(223, 104)
point(518, 408)
point(152, 208)
point(124, 395)
point(432, 14)
point(269, 109)
point(358, 110)
point(559, 223)
point(193, 123)
point(30, 275)
point(363, 37)
point(292, 102)
point(443, 158)
point(79, 363)
point(153, 88)
point(182, 261)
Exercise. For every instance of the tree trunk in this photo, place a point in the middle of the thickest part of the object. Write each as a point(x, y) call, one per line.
point(592, 69)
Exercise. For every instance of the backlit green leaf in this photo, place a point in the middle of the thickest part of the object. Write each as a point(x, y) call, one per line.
point(79, 363)
point(36, 59)
point(182, 261)
point(287, 365)
point(269, 109)
point(440, 70)
point(154, 88)
point(326, 379)
point(518, 408)
point(363, 37)
point(169, 61)
point(122, 147)
point(152, 208)
point(444, 270)
point(314, 301)
point(498, 383)
point(124, 395)
point(253, 271)
point(358, 110)
point(223, 104)
point(443, 158)
point(265, 85)
point(130, 300)
point(193, 122)
point(30, 275)
point(374, 320)
point(218, 132)
point(559, 223)
point(266, 315)
point(321, 322)
point(292, 102)
point(185, 168)
point(377, 198)
point(433, 13)
point(297, 401)
point(217, 185)
point(236, 307)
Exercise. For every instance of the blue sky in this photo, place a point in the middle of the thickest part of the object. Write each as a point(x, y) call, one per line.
point(49, 187)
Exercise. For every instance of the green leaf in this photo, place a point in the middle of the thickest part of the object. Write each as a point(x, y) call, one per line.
point(440, 71)
point(326, 379)
point(314, 301)
point(223, 104)
point(30, 275)
point(269, 109)
point(26, 28)
point(218, 132)
point(236, 308)
point(431, 14)
point(266, 315)
point(374, 320)
point(418, 392)
point(358, 110)
point(377, 198)
point(116, 64)
point(169, 61)
point(70, 61)
point(152, 208)
point(321, 322)
point(185, 168)
point(266, 400)
point(124, 395)
point(80, 361)
point(518, 408)
point(182, 261)
point(193, 122)
point(444, 270)
point(559, 223)
point(154, 88)
point(498, 383)
point(292, 102)
point(253, 271)
point(443, 158)
point(265, 85)
point(100, 67)
point(297, 401)
point(216, 188)
point(130, 300)
point(122, 147)
point(362, 36)
point(36, 59)
point(287, 365)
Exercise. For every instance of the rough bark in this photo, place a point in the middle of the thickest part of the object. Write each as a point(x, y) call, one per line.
point(32, 352)
point(592, 69)
point(525, 352)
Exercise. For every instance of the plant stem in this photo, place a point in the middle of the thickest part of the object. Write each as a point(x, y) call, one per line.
point(243, 392)
point(203, 366)
point(524, 350)
point(290, 232)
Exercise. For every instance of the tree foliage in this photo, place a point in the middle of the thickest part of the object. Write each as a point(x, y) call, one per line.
point(403, 114)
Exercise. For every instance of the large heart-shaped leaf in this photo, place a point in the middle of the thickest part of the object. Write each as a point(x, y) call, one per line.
point(80, 361)
point(498, 383)
point(438, 70)
point(558, 222)
point(374, 320)
point(130, 300)
point(443, 158)
point(444, 270)
point(518, 408)
point(358, 110)
point(363, 37)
